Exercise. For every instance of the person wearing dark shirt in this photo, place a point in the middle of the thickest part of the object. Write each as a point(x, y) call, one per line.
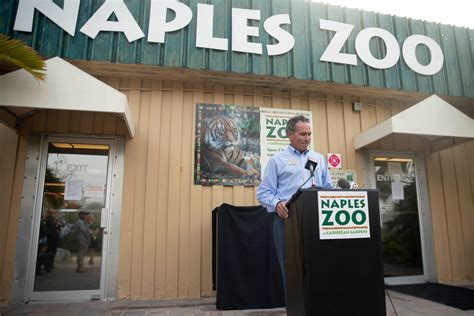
point(52, 232)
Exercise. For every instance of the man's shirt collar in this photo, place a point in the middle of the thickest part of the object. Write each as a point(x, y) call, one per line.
point(296, 151)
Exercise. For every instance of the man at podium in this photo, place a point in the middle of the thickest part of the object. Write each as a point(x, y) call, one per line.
point(287, 172)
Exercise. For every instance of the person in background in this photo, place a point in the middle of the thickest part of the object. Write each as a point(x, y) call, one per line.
point(83, 234)
point(285, 173)
point(94, 244)
point(41, 257)
point(52, 232)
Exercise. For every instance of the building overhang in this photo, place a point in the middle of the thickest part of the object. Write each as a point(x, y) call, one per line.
point(66, 88)
point(433, 119)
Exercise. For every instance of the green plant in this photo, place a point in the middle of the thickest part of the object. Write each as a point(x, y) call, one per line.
point(17, 53)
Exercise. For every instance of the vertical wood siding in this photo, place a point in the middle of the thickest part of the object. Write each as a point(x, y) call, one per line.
point(8, 140)
point(451, 184)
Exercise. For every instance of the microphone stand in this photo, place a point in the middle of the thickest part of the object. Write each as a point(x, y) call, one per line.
point(313, 179)
point(297, 193)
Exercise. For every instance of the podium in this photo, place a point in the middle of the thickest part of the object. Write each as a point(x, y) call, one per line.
point(335, 268)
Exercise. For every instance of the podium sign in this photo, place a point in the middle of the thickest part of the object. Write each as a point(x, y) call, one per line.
point(330, 273)
point(343, 215)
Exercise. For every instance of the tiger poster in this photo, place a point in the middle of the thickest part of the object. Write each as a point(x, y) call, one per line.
point(227, 145)
point(234, 143)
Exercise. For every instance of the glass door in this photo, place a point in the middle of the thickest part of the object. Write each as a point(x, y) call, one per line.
point(405, 216)
point(401, 239)
point(70, 231)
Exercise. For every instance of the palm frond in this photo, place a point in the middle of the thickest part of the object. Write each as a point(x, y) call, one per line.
point(17, 53)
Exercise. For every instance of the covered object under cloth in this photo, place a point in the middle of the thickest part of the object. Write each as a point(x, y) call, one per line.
point(246, 273)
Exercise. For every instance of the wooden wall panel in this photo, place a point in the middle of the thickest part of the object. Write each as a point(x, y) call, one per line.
point(162, 193)
point(349, 159)
point(175, 196)
point(196, 204)
point(450, 181)
point(466, 207)
point(12, 219)
point(186, 179)
point(453, 217)
point(238, 191)
point(211, 196)
point(469, 236)
point(439, 217)
point(8, 139)
point(151, 197)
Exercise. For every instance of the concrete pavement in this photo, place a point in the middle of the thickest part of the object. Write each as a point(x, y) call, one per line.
point(402, 305)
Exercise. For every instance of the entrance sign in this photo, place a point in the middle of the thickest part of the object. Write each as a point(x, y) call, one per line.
point(343, 215)
point(245, 31)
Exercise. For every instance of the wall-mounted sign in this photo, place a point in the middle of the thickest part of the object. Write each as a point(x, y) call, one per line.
point(334, 161)
point(349, 175)
point(343, 215)
point(245, 35)
point(93, 190)
point(73, 190)
point(234, 143)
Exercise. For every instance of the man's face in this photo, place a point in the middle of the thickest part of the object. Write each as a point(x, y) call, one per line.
point(301, 138)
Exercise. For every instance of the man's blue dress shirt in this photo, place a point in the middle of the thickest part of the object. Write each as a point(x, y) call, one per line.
point(285, 173)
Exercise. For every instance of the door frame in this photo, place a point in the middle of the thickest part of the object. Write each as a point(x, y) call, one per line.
point(30, 213)
point(424, 213)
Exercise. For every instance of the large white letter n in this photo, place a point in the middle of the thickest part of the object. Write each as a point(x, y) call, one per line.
point(65, 18)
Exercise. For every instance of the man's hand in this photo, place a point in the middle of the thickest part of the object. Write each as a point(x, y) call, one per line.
point(282, 210)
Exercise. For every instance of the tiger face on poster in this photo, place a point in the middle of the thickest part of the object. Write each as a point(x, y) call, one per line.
point(227, 145)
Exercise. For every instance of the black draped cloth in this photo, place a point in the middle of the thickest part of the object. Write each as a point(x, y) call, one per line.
point(246, 273)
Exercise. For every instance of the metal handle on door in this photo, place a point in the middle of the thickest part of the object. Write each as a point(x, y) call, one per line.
point(104, 216)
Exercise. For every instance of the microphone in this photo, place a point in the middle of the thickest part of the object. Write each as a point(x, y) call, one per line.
point(311, 166)
point(343, 184)
point(346, 185)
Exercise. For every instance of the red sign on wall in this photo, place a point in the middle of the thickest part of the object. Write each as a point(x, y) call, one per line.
point(334, 160)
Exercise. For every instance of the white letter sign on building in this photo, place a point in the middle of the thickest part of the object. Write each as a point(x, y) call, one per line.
point(363, 49)
point(205, 28)
point(437, 58)
point(126, 23)
point(158, 26)
point(65, 18)
point(343, 30)
point(285, 39)
point(242, 30)
point(333, 51)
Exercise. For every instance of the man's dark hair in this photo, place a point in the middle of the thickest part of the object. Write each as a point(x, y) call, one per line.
point(291, 125)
